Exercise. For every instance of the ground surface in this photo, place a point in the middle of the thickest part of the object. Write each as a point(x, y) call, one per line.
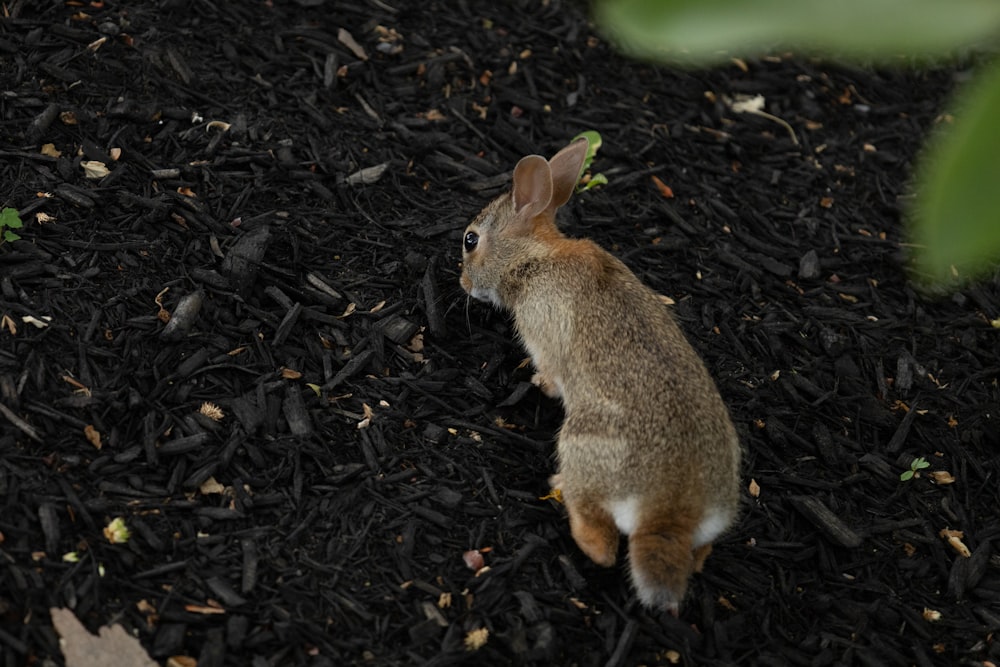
point(323, 519)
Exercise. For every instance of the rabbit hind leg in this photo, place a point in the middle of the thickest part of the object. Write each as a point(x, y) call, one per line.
point(700, 554)
point(594, 530)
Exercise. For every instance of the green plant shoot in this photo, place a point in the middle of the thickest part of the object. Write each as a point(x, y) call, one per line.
point(593, 144)
point(916, 465)
point(9, 221)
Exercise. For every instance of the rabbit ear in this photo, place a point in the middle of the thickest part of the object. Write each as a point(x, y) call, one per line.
point(566, 166)
point(532, 191)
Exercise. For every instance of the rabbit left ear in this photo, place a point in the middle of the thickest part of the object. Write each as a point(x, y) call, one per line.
point(566, 166)
point(532, 192)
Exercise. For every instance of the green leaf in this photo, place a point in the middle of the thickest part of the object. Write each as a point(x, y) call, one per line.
point(316, 388)
point(10, 236)
point(9, 219)
point(955, 220)
point(595, 180)
point(707, 31)
point(920, 464)
point(594, 142)
point(906, 476)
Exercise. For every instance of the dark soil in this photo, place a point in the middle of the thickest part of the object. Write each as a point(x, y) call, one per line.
point(296, 206)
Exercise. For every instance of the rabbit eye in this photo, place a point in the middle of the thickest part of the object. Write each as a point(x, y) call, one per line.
point(471, 241)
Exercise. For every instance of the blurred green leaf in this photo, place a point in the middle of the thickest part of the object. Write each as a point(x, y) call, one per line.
point(701, 32)
point(955, 220)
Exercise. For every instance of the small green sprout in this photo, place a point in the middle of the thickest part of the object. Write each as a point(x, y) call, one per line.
point(916, 465)
point(9, 221)
point(594, 142)
point(117, 532)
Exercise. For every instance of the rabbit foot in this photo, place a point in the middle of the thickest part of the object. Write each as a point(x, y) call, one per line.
point(545, 383)
point(594, 531)
point(700, 554)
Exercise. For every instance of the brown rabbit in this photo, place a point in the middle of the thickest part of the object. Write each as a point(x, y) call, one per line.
point(647, 446)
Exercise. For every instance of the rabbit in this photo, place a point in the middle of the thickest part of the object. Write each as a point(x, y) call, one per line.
point(647, 447)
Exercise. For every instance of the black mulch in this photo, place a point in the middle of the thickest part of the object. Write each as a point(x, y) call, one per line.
point(296, 202)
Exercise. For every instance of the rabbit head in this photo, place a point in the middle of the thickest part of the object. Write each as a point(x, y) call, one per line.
point(519, 226)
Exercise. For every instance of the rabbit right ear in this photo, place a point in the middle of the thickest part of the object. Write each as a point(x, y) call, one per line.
point(566, 166)
point(532, 190)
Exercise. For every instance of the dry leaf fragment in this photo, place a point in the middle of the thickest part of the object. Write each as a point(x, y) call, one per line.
point(351, 307)
point(36, 322)
point(163, 315)
point(954, 539)
point(113, 645)
point(748, 104)
point(211, 486)
point(444, 601)
point(94, 169)
point(754, 104)
point(212, 411)
point(664, 189)
point(942, 477)
point(554, 494)
point(474, 560)
point(826, 202)
point(204, 609)
point(93, 435)
point(290, 374)
point(369, 415)
point(416, 343)
point(931, 615)
point(217, 125)
point(51, 150)
point(348, 40)
point(368, 175)
point(79, 386)
point(7, 322)
point(754, 489)
point(145, 607)
point(41, 217)
point(476, 639)
point(182, 661)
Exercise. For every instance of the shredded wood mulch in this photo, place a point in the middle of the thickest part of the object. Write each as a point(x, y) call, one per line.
point(234, 322)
